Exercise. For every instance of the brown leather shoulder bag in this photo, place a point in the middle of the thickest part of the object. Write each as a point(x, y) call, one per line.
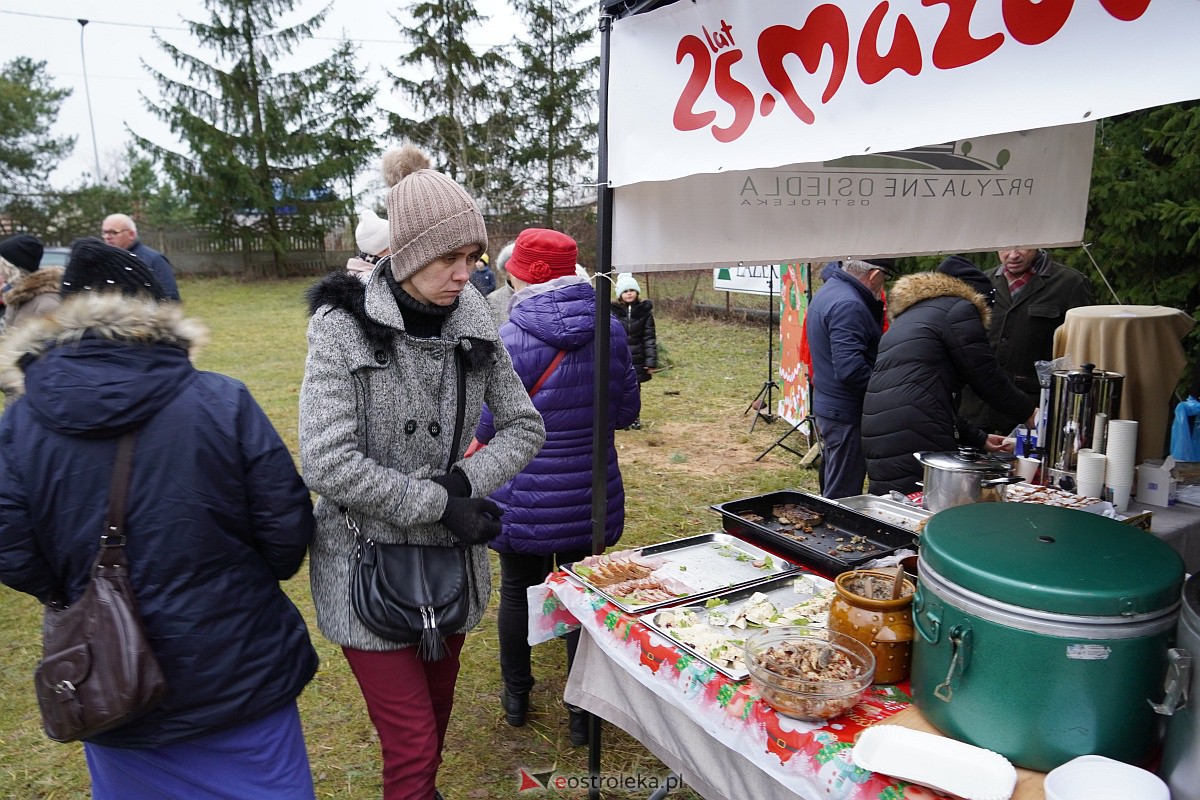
point(97, 670)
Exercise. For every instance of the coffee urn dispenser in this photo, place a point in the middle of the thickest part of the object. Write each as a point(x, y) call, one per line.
point(1078, 398)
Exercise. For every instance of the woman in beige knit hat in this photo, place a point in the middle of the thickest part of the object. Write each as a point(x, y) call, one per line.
point(397, 374)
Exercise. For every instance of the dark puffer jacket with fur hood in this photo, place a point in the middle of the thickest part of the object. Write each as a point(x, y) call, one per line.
point(936, 345)
point(216, 514)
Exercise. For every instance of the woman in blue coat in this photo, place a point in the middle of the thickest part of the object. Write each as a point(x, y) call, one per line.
point(548, 505)
point(216, 517)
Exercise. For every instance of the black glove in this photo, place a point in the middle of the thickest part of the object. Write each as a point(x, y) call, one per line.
point(455, 482)
point(472, 520)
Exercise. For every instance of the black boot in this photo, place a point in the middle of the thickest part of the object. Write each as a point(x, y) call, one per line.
point(516, 706)
point(578, 721)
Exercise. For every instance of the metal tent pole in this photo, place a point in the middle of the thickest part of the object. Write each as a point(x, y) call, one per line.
point(604, 217)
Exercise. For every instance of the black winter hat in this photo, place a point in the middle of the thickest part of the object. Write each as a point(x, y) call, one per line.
point(23, 250)
point(97, 267)
point(968, 273)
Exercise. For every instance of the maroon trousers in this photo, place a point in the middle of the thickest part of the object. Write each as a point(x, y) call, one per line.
point(409, 701)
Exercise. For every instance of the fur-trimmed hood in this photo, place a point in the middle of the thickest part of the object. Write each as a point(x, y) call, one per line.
point(32, 284)
point(912, 289)
point(121, 351)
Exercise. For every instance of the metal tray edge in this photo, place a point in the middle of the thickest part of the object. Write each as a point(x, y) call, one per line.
point(740, 675)
point(786, 568)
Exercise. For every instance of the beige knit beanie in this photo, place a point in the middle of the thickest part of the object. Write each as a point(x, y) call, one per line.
point(429, 214)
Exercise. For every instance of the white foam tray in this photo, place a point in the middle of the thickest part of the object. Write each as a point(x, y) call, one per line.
point(947, 765)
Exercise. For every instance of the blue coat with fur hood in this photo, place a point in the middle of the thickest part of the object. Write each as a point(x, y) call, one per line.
point(216, 515)
point(548, 506)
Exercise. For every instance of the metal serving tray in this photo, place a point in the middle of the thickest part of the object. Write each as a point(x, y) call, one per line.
point(709, 563)
point(887, 510)
point(845, 539)
point(783, 591)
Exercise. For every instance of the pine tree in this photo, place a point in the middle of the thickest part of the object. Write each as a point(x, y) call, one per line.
point(351, 120)
point(29, 105)
point(451, 99)
point(555, 91)
point(1143, 225)
point(259, 152)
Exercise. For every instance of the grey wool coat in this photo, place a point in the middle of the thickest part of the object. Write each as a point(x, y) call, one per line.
point(379, 413)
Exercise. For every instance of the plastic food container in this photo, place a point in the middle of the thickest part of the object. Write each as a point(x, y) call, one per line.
point(957, 768)
point(1100, 778)
point(806, 674)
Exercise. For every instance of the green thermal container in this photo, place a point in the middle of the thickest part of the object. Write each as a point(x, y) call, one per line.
point(1042, 633)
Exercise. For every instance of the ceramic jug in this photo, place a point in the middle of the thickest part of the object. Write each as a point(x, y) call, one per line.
point(864, 609)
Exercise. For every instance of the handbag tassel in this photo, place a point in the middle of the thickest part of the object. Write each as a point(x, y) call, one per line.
point(432, 646)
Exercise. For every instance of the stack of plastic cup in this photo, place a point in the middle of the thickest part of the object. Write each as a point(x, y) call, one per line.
point(1089, 473)
point(1121, 448)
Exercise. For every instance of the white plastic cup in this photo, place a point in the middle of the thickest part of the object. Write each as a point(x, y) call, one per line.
point(1089, 474)
point(1119, 497)
point(1118, 433)
point(1026, 468)
point(1100, 778)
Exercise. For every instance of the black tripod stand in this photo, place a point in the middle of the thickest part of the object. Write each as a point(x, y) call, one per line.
point(808, 456)
point(762, 402)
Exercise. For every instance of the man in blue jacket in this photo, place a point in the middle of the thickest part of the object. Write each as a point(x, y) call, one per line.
point(119, 230)
point(843, 326)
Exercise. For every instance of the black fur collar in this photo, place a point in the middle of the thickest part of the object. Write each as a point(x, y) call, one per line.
point(348, 293)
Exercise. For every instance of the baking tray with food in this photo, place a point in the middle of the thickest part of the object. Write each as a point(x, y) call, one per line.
point(902, 515)
point(686, 569)
point(715, 631)
point(820, 533)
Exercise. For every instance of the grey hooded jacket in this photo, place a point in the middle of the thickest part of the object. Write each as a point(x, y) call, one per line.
point(379, 412)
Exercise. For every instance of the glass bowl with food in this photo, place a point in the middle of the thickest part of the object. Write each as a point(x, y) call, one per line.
point(807, 673)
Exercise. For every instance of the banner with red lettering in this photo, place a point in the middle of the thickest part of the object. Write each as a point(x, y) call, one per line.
point(1025, 188)
point(709, 86)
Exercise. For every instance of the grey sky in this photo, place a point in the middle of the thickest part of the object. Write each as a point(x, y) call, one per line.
point(118, 37)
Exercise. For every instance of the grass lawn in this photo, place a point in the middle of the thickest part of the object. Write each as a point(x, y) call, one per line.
point(695, 449)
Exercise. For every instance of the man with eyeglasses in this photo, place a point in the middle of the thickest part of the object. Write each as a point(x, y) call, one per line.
point(1033, 294)
point(119, 230)
point(843, 326)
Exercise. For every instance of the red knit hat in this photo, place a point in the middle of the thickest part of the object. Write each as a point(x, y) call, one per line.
point(542, 255)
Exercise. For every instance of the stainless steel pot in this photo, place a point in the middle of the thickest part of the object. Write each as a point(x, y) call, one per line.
point(962, 477)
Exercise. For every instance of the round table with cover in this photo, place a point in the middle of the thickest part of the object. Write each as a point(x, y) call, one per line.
point(1143, 343)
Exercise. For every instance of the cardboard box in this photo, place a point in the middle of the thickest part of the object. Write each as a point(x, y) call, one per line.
point(1155, 484)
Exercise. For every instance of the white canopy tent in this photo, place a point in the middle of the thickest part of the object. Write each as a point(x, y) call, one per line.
point(734, 131)
point(702, 100)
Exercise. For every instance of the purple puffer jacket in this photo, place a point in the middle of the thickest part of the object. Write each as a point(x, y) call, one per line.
point(548, 506)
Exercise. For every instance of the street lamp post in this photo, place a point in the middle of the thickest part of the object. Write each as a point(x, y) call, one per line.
point(88, 92)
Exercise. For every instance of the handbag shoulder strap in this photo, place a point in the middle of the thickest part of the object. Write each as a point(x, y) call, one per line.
point(114, 522)
point(549, 371)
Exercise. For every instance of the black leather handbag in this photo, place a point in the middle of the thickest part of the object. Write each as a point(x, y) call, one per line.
point(408, 593)
point(97, 670)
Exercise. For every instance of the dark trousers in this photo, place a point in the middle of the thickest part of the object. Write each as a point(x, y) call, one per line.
point(844, 465)
point(409, 701)
point(517, 573)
